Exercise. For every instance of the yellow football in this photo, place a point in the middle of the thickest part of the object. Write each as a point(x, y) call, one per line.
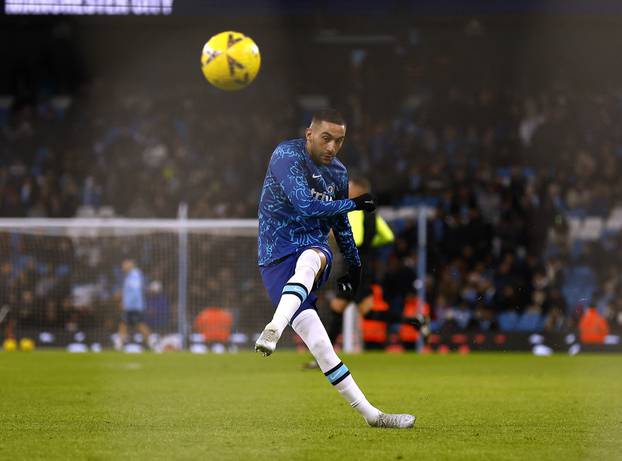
point(230, 60)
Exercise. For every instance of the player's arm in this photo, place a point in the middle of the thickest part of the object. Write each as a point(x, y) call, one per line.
point(345, 240)
point(348, 283)
point(290, 175)
point(347, 245)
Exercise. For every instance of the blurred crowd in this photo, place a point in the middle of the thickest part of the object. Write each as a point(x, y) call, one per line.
point(501, 169)
point(504, 175)
point(138, 155)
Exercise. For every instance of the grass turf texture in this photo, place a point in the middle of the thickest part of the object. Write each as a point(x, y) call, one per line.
point(55, 405)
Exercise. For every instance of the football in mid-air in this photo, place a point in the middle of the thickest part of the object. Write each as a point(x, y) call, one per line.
point(230, 60)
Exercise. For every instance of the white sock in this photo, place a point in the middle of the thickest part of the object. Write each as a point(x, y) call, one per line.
point(310, 328)
point(297, 289)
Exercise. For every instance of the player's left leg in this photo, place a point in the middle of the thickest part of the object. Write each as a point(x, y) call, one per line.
point(147, 334)
point(122, 334)
point(337, 308)
point(309, 267)
point(310, 328)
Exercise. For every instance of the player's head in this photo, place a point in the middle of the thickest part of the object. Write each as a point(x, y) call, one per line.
point(325, 135)
point(128, 264)
point(358, 185)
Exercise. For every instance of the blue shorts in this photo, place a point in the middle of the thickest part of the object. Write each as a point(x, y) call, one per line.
point(276, 275)
point(132, 317)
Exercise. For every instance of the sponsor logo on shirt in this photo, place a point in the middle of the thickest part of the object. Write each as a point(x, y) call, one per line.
point(324, 196)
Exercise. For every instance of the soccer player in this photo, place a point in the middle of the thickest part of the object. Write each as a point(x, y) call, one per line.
point(305, 194)
point(369, 231)
point(133, 304)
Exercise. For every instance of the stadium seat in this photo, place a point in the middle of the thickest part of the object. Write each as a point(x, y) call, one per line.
point(85, 211)
point(530, 322)
point(62, 270)
point(574, 226)
point(529, 172)
point(614, 223)
point(592, 228)
point(576, 248)
point(398, 225)
point(410, 200)
point(576, 213)
point(579, 285)
point(431, 202)
point(616, 212)
point(504, 173)
point(106, 212)
point(508, 321)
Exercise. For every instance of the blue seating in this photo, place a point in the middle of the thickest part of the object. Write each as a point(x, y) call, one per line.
point(508, 321)
point(579, 285)
point(530, 322)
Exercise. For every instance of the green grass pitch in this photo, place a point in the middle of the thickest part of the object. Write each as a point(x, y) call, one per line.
point(55, 405)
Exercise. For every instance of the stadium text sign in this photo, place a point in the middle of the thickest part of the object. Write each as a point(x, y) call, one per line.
point(89, 7)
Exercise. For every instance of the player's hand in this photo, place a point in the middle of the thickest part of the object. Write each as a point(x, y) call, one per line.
point(365, 202)
point(348, 284)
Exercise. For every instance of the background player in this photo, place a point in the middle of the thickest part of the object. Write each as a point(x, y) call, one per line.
point(305, 195)
point(133, 305)
point(370, 231)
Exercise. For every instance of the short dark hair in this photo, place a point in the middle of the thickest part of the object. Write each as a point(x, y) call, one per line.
point(328, 115)
point(360, 181)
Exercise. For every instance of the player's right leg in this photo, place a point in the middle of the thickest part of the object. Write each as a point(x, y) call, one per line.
point(310, 328)
point(309, 267)
point(121, 337)
point(335, 326)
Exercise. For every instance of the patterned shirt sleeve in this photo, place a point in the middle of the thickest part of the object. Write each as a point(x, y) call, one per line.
point(290, 175)
point(343, 233)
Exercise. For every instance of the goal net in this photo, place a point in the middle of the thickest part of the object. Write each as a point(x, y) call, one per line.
point(62, 280)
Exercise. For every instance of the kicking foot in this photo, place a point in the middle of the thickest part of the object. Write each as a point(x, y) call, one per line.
point(266, 343)
point(397, 421)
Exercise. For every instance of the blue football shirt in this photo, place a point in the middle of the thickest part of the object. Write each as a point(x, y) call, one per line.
point(300, 202)
point(133, 295)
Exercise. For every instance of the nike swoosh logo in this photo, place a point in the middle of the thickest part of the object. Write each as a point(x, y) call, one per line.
point(316, 176)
